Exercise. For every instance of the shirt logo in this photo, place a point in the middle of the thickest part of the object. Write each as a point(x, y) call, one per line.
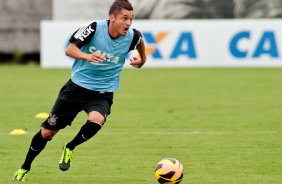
point(86, 33)
point(109, 58)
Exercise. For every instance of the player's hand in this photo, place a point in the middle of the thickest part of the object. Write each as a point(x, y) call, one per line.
point(96, 57)
point(136, 61)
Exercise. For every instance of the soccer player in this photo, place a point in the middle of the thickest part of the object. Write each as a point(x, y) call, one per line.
point(99, 50)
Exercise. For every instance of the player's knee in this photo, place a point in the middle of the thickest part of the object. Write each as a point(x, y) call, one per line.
point(96, 117)
point(48, 134)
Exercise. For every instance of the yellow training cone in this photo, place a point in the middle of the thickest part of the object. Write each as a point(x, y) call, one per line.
point(18, 132)
point(42, 115)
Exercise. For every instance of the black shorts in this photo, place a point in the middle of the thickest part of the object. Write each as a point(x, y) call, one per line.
point(71, 100)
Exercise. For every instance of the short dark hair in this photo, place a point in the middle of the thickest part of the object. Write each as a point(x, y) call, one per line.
point(118, 5)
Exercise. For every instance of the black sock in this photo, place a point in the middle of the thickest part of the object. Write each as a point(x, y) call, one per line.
point(38, 143)
point(88, 130)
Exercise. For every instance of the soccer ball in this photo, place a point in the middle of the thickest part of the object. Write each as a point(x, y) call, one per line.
point(169, 171)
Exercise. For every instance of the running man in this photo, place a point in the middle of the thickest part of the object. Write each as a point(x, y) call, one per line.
point(99, 50)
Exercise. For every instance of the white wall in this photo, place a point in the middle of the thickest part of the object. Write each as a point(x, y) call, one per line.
point(80, 10)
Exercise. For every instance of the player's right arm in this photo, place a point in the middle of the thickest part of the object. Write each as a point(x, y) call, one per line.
point(74, 51)
point(80, 38)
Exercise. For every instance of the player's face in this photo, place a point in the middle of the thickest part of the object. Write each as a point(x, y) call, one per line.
point(121, 22)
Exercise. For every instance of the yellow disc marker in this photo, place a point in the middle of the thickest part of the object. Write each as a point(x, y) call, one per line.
point(18, 132)
point(42, 115)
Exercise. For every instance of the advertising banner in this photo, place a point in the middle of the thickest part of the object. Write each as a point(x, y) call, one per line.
point(185, 43)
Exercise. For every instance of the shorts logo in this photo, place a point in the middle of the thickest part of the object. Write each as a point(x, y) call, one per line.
point(52, 120)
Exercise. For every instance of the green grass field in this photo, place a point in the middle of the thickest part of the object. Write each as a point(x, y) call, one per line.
point(224, 125)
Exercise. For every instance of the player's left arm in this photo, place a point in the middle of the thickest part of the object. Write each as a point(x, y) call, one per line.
point(138, 60)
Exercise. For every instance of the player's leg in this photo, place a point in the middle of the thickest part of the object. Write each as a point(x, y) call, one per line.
point(97, 112)
point(88, 130)
point(38, 143)
point(62, 114)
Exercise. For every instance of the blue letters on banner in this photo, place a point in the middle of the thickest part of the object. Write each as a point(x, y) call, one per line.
point(266, 45)
point(184, 46)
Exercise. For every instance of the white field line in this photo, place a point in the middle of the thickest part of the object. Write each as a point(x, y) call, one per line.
point(192, 133)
